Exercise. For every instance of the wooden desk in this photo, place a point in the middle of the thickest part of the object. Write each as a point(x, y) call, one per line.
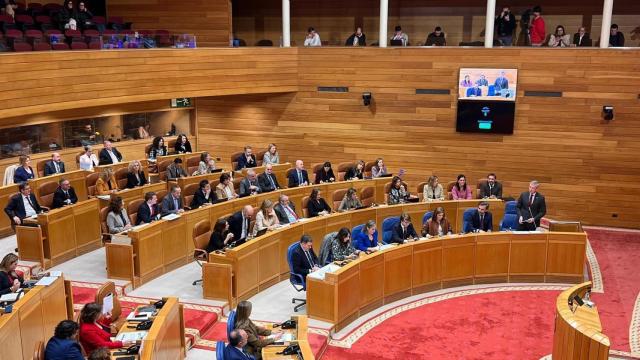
point(123, 164)
point(33, 319)
point(262, 262)
point(67, 232)
point(128, 195)
point(300, 337)
point(578, 335)
point(280, 170)
point(413, 268)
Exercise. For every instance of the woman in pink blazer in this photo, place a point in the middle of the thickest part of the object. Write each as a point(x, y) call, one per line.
point(460, 190)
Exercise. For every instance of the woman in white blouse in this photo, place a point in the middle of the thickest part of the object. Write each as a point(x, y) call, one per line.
point(88, 160)
point(225, 189)
point(432, 190)
point(266, 218)
point(271, 156)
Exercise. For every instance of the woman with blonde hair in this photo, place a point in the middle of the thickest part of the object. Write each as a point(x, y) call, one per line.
point(271, 156)
point(266, 218)
point(135, 176)
point(432, 191)
point(24, 172)
point(10, 281)
point(106, 183)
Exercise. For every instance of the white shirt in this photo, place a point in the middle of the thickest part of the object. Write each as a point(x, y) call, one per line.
point(87, 163)
point(28, 209)
point(314, 41)
point(114, 158)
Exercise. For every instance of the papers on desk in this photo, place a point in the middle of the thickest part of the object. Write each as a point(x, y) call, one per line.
point(107, 304)
point(139, 317)
point(46, 281)
point(11, 297)
point(320, 273)
point(121, 239)
point(385, 247)
point(303, 219)
point(55, 273)
point(286, 337)
point(171, 217)
point(104, 197)
point(527, 232)
point(131, 336)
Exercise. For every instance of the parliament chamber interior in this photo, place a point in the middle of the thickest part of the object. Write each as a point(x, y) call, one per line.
point(375, 179)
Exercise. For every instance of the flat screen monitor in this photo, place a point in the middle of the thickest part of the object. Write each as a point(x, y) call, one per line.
point(485, 116)
point(487, 84)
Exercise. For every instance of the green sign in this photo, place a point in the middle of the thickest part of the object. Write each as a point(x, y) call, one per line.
point(181, 103)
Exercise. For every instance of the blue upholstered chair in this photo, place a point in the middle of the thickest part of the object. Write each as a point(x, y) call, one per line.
point(466, 220)
point(297, 280)
point(510, 219)
point(220, 350)
point(428, 215)
point(510, 207)
point(231, 323)
point(356, 229)
point(387, 228)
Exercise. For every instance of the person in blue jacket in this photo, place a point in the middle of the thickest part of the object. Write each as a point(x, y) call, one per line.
point(367, 239)
point(64, 343)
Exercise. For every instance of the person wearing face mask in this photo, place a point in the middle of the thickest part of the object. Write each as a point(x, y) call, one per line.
point(581, 38)
point(492, 189)
point(357, 38)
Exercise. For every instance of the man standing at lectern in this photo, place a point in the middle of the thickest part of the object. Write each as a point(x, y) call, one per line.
point(531, 208)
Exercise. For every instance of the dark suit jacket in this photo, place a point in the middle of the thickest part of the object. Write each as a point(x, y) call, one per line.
point(144, 213)
point(232, 353)
point(168, 206)
point(59, 198)
point(235, 225)
point(281, 213)
point(399, 236)
point(50, 169)
point(538, 209)
point(132, 181)
point(5, 284)
point(325, 176)
point(199, 199)
point(173, 172)
point(495, 190)
point(265, 184)
point(183, 148)
point(300, 262)
point(245, 187)
point(293, 178)
point(314, 207)
point(244, 163)
point(351, 173)
point(586, 40)
point(63, 349)
point(104, 157)
point(487, 223)
point(15, 207)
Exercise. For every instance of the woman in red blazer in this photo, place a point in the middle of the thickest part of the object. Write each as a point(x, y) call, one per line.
point(92, 334)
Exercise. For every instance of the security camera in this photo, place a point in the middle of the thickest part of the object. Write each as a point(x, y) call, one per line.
point(366, 98)
point(607, 113)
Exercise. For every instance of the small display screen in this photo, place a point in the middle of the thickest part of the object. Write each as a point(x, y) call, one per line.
point(484, 116)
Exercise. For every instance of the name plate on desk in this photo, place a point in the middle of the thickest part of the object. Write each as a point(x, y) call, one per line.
point(320, 273)
point(171, 217)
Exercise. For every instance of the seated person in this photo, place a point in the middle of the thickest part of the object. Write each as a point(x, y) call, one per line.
point(239, 223)
point(397, 192)
point(204, 195)
point(400, 36)
point(182, 146)
point(403, 230)
point(148, 210)
point(581, 38)
point(299, 176)
point(560, 38)
point(285, 210)
point(256, 335)
point(100, 354)
point(316, 205)
point(271, 156)
point(350, 201)
point(325, 174)
point(438, 225)
point(379, 169)
point(436, 38)
point(54, 166)
point(135, 175)
point(117, 218)
point(85, 16)
point(22, 205)
point(249, 185)
point(172, 203)
point(157, 148)
point(313, 38)
point(342, 249)
point(10, 280)
point(268, 180)
point(88, 160)
point(93, 334)
point(356, 172)
point(66, 17)
point(143, 131)
point(225, 189)
point(481, 219)
point(106, 183)
point(24, 172)
point(234, 350)
point(220, 236)
point(109, 155)
point(367, 239)
point(303, 259)
point(357, 38)
point(175, 170)
point(206, 165)
point(64, 195)
point(460, 190)
point(63, 345)
point(616, 38)
point(247, 159)
point(266, 218)
point(491, 189)
point(432, 190)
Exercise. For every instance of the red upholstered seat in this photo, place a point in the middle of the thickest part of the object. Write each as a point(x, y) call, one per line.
point(22, 46)
point(41, 46)
point(79, 45)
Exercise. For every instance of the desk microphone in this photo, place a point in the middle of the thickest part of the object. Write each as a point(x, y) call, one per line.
point(534, 221)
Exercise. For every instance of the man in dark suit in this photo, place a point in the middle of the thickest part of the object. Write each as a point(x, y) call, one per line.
point(148, 210)
point(109, 155)
point(501, 82)
point(267, 180)
point(581, 38)
point(54, 166)
point(303, 259)
point(175, 170)
point(531, 207)
point(172, 203)
point(298, 176)
point(249, 185)
point(285, 210)
point(247, 160)
point(22, 205)
point(64, 195)
point(239, 223)
point(481, 219)
point(235, 349)
point(491, 189)
point(403, 230)
point(474, 91)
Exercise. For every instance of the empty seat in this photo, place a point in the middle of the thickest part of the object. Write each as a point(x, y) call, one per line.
point(73, 34)
point(6, 23)
point(14, 35)
point(90, 33)
point(24, 22)
point(109, 32)
point(60, 46)
point(99, 20)
point(41, 46)
point(33, 36)
point(264, 42)
point(22, 46)
point(79, 45)
point(95, 45)
point(52, 8)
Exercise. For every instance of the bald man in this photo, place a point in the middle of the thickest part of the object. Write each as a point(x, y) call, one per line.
point(54, 166)
point(299, 176)
point(239, 223)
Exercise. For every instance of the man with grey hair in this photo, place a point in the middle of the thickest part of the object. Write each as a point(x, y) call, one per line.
point(249, 185)
point(285, 210)
point(531, 207)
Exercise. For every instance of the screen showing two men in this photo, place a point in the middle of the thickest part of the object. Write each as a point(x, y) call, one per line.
point(488, 84)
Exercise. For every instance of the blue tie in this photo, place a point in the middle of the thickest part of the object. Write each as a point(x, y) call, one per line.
point(175, 203)
point(299, 177)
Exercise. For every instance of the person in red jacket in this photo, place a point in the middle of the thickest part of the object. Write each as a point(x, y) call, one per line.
point(92, 334)
point(537, 30)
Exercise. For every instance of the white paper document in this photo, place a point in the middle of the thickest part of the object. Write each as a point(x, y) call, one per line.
point(46, 281)
point(107, 304)
point(320, 273)
point(55, 273)
point(171, 217)
point(11, 297)
point(140, 317)
point(131, 336)
point(104, 197)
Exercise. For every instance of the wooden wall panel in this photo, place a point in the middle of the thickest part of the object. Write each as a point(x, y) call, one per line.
point(584, 164)
point(209, 20)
